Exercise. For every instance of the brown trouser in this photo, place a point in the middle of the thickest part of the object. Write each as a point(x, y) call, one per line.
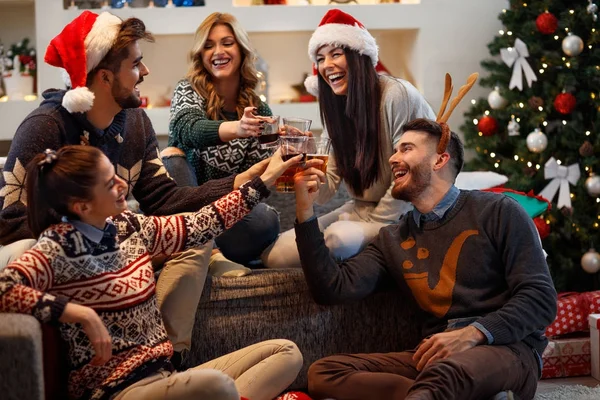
point(479, 373)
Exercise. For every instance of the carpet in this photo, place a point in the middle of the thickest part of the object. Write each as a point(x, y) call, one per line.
point(571, 392)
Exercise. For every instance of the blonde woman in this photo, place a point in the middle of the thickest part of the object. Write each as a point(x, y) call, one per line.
point(215, 115)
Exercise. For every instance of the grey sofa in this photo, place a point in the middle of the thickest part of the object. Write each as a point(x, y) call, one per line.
point(233, 313)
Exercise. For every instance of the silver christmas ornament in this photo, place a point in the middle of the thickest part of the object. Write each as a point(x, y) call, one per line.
point(537, 141)
point(593, 10)
point(592, 185)
point(572, 45)
point(496, 100)
point(590, 262)
point(513, 127)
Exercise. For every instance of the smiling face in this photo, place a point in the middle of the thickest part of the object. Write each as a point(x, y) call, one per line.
point(131, 73)
point(412, 166)
point(332, 66)
point(107, 196)
point(221, 54)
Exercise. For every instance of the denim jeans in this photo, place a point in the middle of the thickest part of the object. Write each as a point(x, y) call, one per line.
point(248, 238)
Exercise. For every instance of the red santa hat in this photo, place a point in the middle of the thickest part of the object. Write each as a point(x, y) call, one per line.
point(78, 49)
point(338, 28)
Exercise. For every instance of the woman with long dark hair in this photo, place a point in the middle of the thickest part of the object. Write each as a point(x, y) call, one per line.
point(363, 113)
point(91, 272)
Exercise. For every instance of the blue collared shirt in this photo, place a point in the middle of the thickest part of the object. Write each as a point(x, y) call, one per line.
point(91, 232)
point(440, 208)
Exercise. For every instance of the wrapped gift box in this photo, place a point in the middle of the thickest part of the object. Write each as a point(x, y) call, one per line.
point(567, 357)
point(595, 344)
point(573, 311)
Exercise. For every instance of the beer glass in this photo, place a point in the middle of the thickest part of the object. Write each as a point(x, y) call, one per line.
point(318, 148)
point(296, 126)
point(291, 146)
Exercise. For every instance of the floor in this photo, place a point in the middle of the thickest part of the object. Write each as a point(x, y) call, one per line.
point(548, 385)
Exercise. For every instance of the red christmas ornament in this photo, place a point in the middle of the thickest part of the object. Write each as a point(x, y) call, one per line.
point(546, 23)
point(542, 227)
point(565, 103)
point(487, 126)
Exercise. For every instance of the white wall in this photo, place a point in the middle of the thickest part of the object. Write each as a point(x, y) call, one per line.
point(17, 21)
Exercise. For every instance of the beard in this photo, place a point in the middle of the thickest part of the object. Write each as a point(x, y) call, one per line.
point(124, 97)
point(419, 180)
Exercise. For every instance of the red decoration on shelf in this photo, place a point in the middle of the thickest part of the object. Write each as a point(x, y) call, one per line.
point(565, 103)
point(546, 23)
point(542, 227)
point(487, 126)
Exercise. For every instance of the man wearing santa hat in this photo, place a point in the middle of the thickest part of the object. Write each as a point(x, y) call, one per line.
point(103, 68)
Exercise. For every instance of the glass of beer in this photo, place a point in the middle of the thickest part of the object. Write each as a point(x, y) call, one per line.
point(267, 139)
point(294, 126)
point(318, 147)
point(291, 146)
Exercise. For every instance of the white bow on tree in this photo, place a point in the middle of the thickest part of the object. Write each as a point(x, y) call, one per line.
point(561, 177)
point(516, 55)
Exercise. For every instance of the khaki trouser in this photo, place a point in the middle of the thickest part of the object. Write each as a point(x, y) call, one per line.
point(257, 372)
point(178, 288)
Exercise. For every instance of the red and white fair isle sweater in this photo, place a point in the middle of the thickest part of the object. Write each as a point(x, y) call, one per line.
point(115, 277)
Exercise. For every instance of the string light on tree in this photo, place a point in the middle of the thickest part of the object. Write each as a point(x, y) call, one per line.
point(537, 141)
point(590, 262)
point(572, 45)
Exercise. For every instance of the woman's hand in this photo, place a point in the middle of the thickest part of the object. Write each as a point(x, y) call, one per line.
point(94, 329)
point(277, 167)
point(250, 124)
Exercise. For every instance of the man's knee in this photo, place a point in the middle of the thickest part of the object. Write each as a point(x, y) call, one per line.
point(12, 251)
point(320, 373)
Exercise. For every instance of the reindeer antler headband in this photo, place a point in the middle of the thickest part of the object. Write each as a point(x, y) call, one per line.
point(443, 118)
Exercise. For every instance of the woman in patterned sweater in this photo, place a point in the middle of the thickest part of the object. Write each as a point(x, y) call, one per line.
point(215, 115)
point(91, 272)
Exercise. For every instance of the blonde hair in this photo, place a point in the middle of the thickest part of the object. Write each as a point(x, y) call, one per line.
point(201, 80)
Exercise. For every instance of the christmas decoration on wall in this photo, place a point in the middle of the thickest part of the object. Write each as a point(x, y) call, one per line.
point(513, 127)
point(561, 178)
point(516, 55)
point(537, 141)
point(496, 100)
point(592, 185)
point(546, 23)
point(593, 10)
point(535, 102)
point(586, 149)
point(487, 126)
point(572, 45)
point(565, 103)
point(590, 262)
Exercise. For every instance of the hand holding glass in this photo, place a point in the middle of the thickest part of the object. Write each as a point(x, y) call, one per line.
point(270, 134)
point(291, 146)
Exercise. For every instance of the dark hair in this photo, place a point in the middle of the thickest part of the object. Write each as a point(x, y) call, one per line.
point(55, 179)
point(434, 131)
point(132, 30)
point(352, 123)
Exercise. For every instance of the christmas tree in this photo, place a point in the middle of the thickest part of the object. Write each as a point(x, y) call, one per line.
point(540, 126)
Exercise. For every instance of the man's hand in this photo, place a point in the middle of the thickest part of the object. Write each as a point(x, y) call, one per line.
point(442, 345)
point(256, 170)
point(94, 329)
point(306, 186)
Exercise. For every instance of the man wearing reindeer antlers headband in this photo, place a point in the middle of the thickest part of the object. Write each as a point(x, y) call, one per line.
point(471, 260)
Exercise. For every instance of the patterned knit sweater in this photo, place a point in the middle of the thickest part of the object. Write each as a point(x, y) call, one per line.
point(129, 143)
point(195, 134)
point(114, 277)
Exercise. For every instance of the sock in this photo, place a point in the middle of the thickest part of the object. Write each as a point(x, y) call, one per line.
point(221, 266)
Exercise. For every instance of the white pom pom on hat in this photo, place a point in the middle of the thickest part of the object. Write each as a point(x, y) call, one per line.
point(78, 49)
